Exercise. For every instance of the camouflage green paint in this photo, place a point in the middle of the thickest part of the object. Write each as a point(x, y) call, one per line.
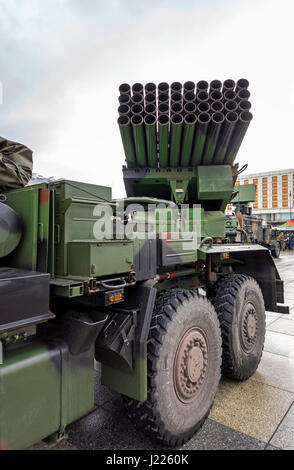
point(200, 138)
point(139, 140)
point(127, 139)
point(163, 137)
point(188, 137)
point(175, 140)
point(151, 144)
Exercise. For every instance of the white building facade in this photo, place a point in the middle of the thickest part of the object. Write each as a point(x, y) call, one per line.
point(274, 194)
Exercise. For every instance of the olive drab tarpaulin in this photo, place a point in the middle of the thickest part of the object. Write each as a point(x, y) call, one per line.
point(16, 164)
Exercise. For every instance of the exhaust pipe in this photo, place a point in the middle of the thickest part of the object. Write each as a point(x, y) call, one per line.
point(163, 138)
point(125, 89)
point(139, 139)
point(203, 121)
point(175, 139)
point(124, 99)
point(127, 140)
point(225, 135)
point(188, 137)
point(212, 136)
point(151, 142)
point(238, 136)
point(215, 85)
point(176, 87)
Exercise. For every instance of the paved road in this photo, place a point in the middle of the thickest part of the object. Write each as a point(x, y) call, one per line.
point(256, 414)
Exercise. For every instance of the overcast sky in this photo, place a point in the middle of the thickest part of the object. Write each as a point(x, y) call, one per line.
point(61, 62)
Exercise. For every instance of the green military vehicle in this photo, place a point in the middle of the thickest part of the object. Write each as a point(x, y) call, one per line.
point(243, 225)
point(83, 276)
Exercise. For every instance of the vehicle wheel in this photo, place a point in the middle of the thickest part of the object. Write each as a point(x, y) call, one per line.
point(277, 250)
point(239, 304)
point(184, 362)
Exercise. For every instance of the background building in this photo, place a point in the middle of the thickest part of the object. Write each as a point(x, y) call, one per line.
point(274, 194)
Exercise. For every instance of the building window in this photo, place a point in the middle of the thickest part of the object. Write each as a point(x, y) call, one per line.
point(264, 180)
point(274, 198)
point(255, 206)
point(285, 196)
point(237, 183)
point(264, 204)
point(285, 184)
point(274, 178)
point(255, 181)
point(274, 185)
point(275, 204)
point(285, 203)
point(285, 177)
point(275, 191)
point(246, 181)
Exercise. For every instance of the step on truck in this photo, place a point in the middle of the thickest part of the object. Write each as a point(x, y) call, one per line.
point(84, 276)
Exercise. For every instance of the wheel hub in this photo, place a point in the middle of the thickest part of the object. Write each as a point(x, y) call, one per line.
point(190, 365)
point(249, 328)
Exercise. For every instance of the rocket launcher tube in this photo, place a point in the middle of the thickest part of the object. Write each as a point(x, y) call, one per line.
point(225, 135)
point(231, 106)
point(203, 121)
point(150, 88)
point(163, 98)
point(175, 140)
point(163, 87)
point(150, 109)
point(237, 137)
point(127, 140)
point(139, 139)
point(215, 96)
point(189, 97)
point(176, 98)
point(212, 136)
point(151, 144)
point(215, 85)
point(163, 108)
point(138, 88)
point(217, 106)
point(124, 109)
point(150, 98)
point(163, 138)
point(189, 86)
point(137, 109)
point(124, 99)
point(125, 89)
point(176, 87)
point(229, 85)
point(242, 84)
point(243, 95)
point(188, 137)
point(244, 106)
point(176, 108)
point(202, 85)
point(190, 108)
point(203, 107)
point(202, 96)
point(137, 98)
point(229, 95)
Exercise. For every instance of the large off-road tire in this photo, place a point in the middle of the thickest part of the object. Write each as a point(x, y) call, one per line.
point(276, 250)
point(184, 367)
point(239, 304)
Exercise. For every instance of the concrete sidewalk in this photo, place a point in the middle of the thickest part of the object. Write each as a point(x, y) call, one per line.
point(256, 414)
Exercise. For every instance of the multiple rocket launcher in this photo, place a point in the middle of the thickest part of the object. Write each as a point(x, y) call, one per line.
point(183, 125)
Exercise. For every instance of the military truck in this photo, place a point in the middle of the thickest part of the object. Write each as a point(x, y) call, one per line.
point(164, 313)
point(244, 224)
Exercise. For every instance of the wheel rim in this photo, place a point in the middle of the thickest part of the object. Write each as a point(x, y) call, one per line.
point(249, 327)
point(190, 366)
